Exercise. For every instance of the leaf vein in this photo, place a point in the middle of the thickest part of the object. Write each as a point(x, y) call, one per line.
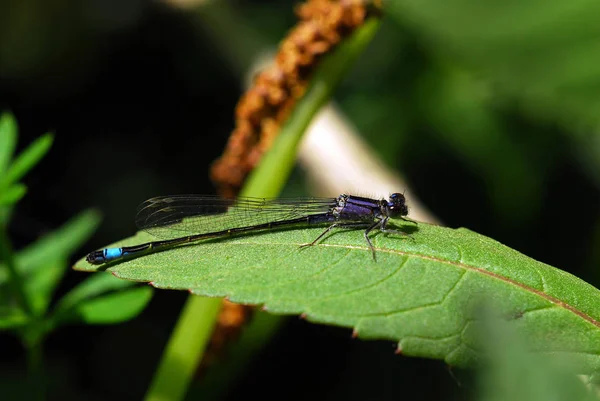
point(366, 287)
point(497, 276)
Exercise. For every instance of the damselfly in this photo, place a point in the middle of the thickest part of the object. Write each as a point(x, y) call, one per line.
point(183, 219)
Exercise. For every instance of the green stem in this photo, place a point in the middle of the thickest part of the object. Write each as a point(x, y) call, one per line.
point(37, 379)
point(275, 167)
point(185, 349)
point(215, 384)
point(15, 281)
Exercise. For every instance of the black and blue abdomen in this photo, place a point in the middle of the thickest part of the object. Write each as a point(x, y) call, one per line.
point(105, 255)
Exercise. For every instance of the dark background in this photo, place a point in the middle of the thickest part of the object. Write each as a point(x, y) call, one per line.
point(141, 98)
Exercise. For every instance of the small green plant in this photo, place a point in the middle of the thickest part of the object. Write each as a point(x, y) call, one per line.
point(29, 276)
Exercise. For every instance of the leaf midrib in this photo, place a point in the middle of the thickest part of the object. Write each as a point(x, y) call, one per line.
point(463, 265)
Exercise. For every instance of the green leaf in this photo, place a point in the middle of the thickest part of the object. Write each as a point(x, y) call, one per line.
point(545, 51)
point(102, 299)
point(40, 286)
point(541, 54)
point(452, 101)
point(420, 292)
point(513, 373)
point(8, 139)
point(43, 263)
point(113, 308)
point(27, 159)
point(59, 244)
point(90, 288)
point(12, 194)
point(11, 317)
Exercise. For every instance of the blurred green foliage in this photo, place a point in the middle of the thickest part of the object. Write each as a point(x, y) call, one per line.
point(29, 277)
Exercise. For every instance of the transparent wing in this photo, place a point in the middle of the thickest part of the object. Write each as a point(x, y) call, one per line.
point(169, 217)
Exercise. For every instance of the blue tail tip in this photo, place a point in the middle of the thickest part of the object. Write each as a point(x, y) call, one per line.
point(103, 256)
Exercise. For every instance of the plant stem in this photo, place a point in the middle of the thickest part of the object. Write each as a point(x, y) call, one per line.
point(277, 164)
point(215, 384)
point(37, 386)
point(186, 346)
point(185, 349)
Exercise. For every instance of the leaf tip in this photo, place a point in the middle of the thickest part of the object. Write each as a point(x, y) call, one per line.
point(398, 349)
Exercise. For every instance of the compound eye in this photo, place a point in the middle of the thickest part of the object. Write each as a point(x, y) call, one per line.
point(397, 205)
point(395, 197)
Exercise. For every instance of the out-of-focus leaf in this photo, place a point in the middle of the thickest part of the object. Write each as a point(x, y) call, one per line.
point(544, 53)
point(59, 244)
point(12, 194)
point(40, 286)
point(453, 104)
point(511, 372)
point(113, 308)
point(542, 50)
point(102, 298)
point(8, 140)
point(27, 159)
point(11, 317)
point(92, 287)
